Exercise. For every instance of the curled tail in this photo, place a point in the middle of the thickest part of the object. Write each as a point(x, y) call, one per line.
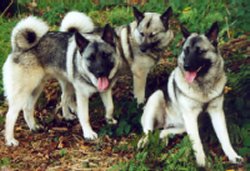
point(77, 21)
point(28, 32)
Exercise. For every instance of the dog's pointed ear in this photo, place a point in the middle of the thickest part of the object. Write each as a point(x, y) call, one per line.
point(185, 31)
point(166, 16)
point(81, 41)
point(138, 14)
point(212, 33)
point(108, 35)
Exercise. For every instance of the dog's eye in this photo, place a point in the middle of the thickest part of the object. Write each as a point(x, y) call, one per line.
point(152, 34)
point(141, 33)
point(186, 51)
point(200, 51)
point(91, 58)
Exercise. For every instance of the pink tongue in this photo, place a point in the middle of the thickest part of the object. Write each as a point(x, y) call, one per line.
point(190, 76)
point(102, 83)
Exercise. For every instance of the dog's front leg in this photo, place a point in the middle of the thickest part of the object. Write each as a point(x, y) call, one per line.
point(139, 84)
point(83, 115)
point(191, 124)
point(219, 123)
point(109, 106)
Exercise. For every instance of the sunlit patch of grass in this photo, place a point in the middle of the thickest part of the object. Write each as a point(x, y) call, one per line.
point(120, 16)
point(5, 32)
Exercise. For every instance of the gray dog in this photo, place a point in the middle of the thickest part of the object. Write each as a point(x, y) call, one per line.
point(83, 64)
point(196, 85)
point(142, 43)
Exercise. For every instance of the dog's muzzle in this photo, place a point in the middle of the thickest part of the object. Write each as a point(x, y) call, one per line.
point(149, 46)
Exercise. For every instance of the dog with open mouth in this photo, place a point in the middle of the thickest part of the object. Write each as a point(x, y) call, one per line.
point(82, 63)
point(195, 86)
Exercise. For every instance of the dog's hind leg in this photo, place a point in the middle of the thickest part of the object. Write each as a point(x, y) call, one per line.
point(175, 130)
point(217, 115)
point(109, 106)
point(153, 115)
point(21, 99)
point(19, 83)
point(11, 117)
point(28, 109)
point(67, 100)
point(154, 112)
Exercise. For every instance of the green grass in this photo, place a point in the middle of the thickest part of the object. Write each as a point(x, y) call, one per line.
point(2, 120)
point(155, 156)
point(5, 31)
point(4, 162)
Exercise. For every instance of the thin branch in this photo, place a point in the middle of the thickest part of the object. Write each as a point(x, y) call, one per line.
point(6, 9)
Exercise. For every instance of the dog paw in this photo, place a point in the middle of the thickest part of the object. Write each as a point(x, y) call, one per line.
point(69, 117)
point(12, 142)
point(142, 142)
point(90, 135)
point(139, 100)
point(37, 128)
point(201, 162)
point(237, 160)
point(200, 158)
point(111, 121)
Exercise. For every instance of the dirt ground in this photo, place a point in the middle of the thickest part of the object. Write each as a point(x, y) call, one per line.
point(60, 145)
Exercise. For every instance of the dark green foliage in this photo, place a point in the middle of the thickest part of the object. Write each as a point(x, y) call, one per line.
point(129, 115)
point(155, 156)
point(53, 16)
point(136, 164)
point(237, 107)
point(152, 6)
point(240, 14)
point(2, 120)
point(199, 16)
point(120, 16)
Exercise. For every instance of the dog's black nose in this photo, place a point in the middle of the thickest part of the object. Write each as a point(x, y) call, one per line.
point(100, 73)
point(187, 67)
point(143, 48)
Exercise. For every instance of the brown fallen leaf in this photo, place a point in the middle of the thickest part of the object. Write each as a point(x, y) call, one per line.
point(60, 129)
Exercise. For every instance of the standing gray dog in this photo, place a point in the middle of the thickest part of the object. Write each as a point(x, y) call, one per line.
point(196, 85)
point(83, 64)
point(142, 43)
